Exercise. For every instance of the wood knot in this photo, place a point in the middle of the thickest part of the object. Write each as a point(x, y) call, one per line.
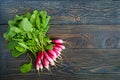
point(77, 19)
point(110, 42)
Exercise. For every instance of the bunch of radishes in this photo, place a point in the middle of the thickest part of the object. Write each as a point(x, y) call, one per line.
point(47, 58)
point(26, 34)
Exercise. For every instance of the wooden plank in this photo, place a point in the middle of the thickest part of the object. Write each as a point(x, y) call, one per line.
point(78, 63)
point(65, 11)
point(88, 36)
point(60, 77)
point(85, 36)
point(83, 64)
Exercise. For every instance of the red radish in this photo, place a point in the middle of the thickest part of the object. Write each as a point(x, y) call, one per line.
point(52, 63)
point(58, 41)
point(52, 53)
point(41, 66)
point(60, 46)
point(39, 61)
point(52, 56)
point(57, 49)
point(37, 66)
point(46, 63)
point(48, 57)
point(40, 57)
point(57, 53)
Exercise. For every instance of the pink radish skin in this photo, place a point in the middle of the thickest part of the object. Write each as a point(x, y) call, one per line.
point(52, 53)
point(40, 57)
point(37, 66)
point(41, 66)
point(39, 61)
point(57, 53)
point(57, 49)
point(60, 46)
point(46, 63)
point(58, 41)
point(52, 56)
point(48, 57)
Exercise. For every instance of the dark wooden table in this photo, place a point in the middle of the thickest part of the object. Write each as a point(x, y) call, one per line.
point(92, 27)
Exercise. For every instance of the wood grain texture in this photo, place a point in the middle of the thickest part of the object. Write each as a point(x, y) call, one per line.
point(91, 29)
point(88, 36)
point(78, 62)
point(65, 11)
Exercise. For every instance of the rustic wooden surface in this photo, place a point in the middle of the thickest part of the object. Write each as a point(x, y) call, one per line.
point(91, 27)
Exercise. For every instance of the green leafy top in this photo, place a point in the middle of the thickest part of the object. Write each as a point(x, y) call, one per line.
point(28, 33)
